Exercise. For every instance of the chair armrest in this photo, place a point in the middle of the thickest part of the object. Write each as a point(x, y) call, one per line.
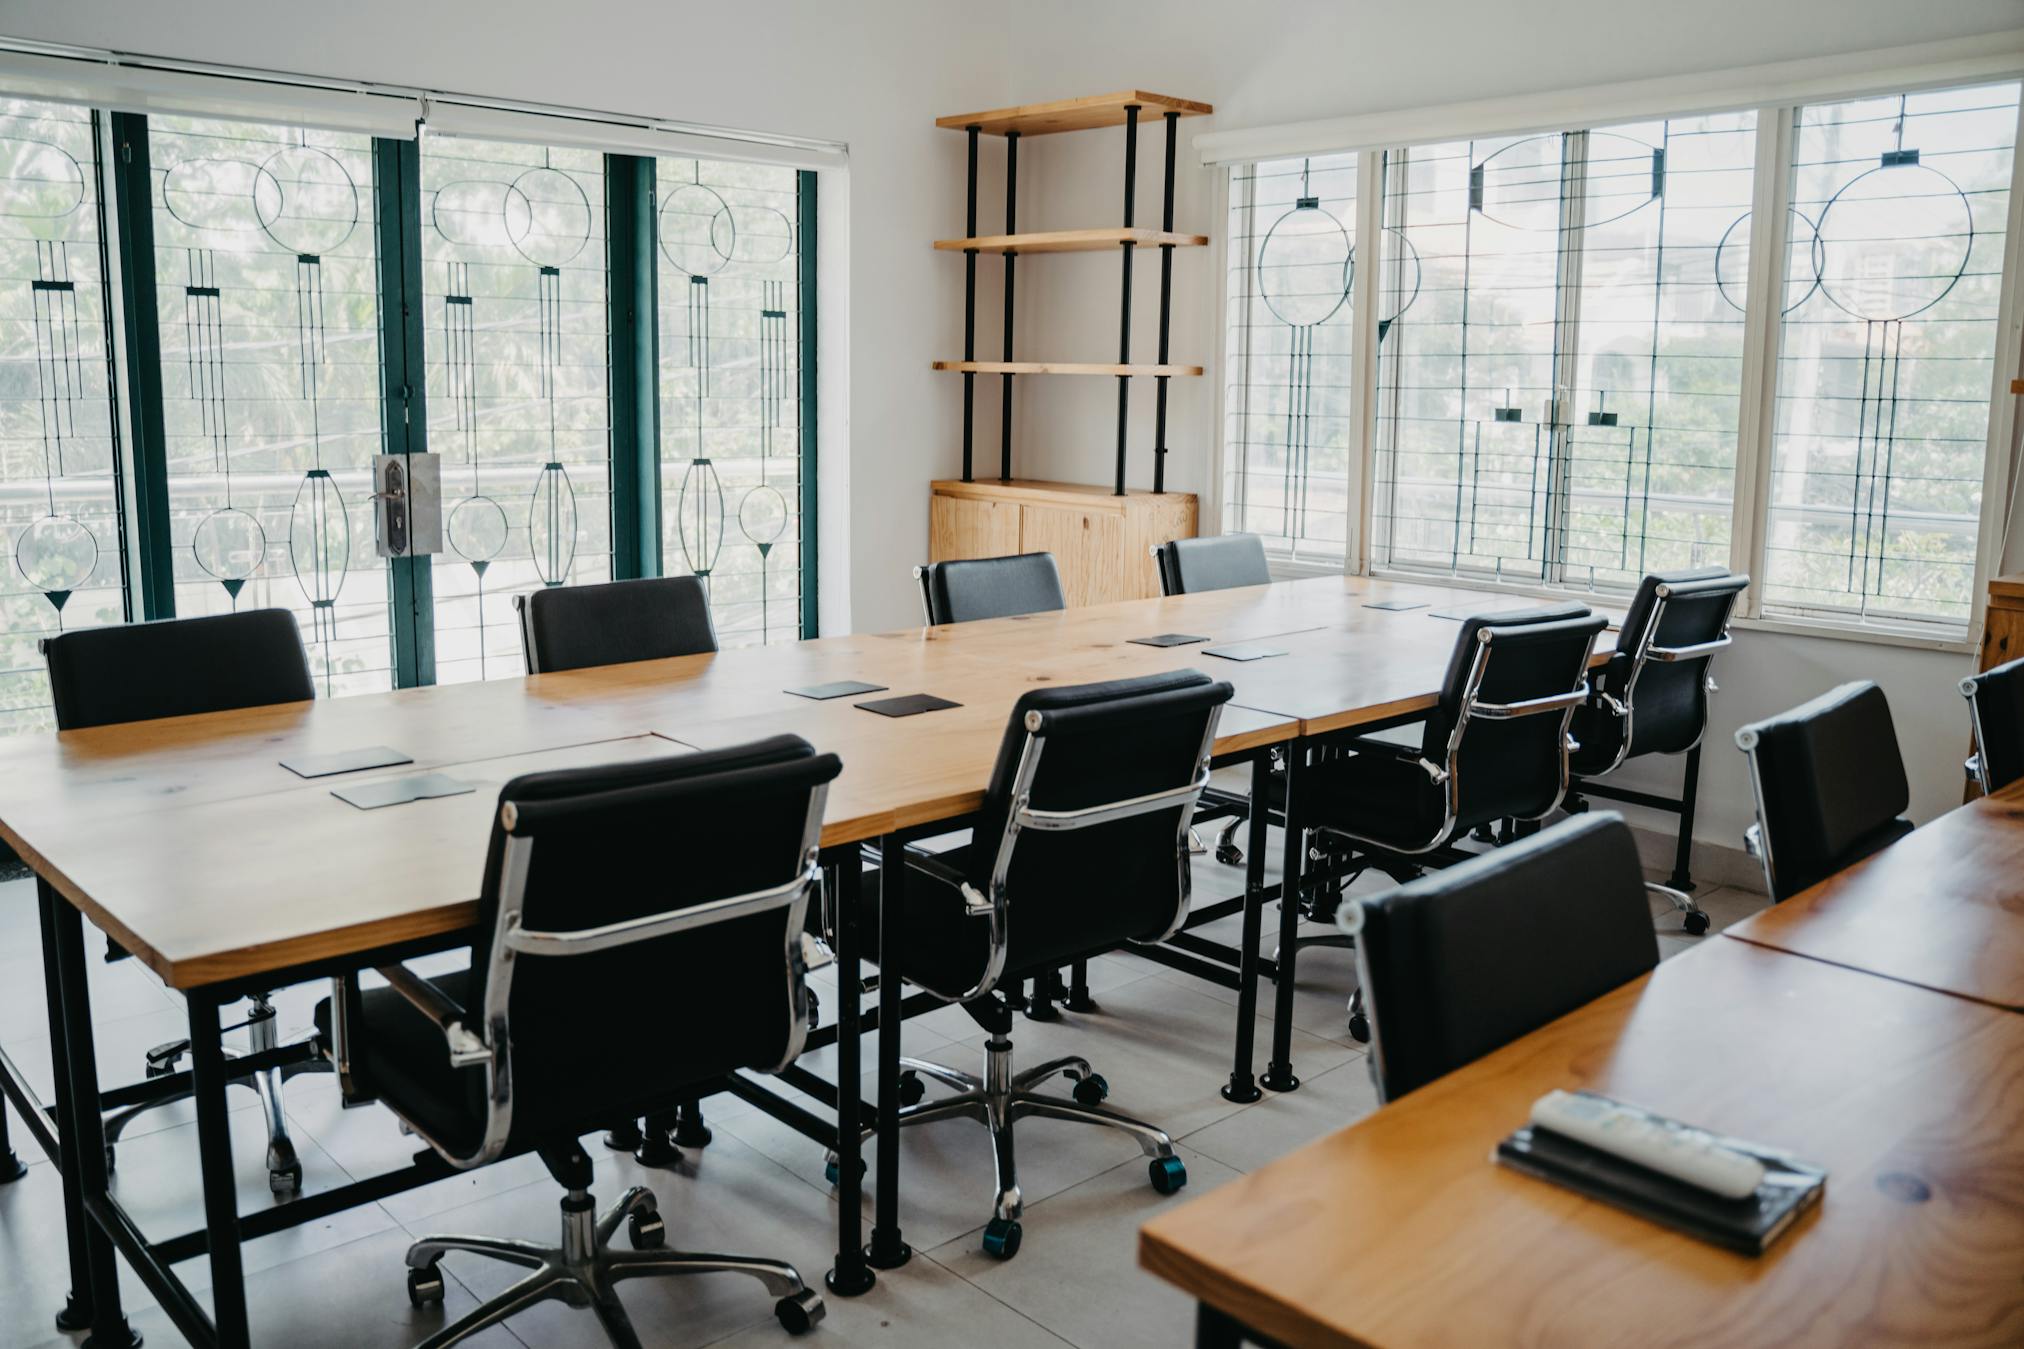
point(1694, 652)
point(466, 1049)
point(1530, 707)
point(975, 904)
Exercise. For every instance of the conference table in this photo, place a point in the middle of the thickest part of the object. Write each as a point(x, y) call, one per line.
point(188, 843)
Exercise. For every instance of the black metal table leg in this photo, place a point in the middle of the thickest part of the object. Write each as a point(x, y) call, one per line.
point(1243, 1087)
point(1078, 989)
point(1279, 1072)
point(83, 1129)
point(1682, 878)
point(76, 1313)
point(1214, 1330)
point(888, 1251)
point(12, 1168)
point(850, 1275)
point(214, 1154)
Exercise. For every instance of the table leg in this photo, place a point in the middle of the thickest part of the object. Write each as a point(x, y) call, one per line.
point(214, 1155)
point(1214, 1330)
point(94, 1297)
point(850, 1275)
point(888, 1251)
point(1279, 1072)
point(1243, 1087)
point(12, 1168)
point(1682, 878)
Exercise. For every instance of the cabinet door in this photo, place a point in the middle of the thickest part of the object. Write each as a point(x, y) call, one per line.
point(1088, 547)
point(966, 527)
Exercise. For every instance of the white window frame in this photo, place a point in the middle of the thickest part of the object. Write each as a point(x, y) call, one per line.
point(1775, 92)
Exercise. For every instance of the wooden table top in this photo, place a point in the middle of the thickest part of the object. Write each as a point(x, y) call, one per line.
point(1942, 907)
point(186, 840)
point(1400, 1230)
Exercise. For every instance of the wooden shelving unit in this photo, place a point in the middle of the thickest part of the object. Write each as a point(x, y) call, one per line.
point(1071, 241)
point(1065, 368)
point(1073, 114)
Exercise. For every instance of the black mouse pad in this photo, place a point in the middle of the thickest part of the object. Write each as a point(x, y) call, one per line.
point(1397, 604)
point(1243, 651)
point(907, 704)
point(345, 761)
point(400, 791)
point(1167, 639)
point(841, 688)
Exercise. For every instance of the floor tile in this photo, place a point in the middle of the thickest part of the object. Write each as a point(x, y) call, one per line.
point(1285, 1121)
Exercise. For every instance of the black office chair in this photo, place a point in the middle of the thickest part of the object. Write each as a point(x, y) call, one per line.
point(177, 668)
point(1222, 562)
point(1218, 562)
point(1470, 958)
point(1996, 712)
point(1494, 747)
point(573, 627)
point(605, 984)
point(1652, 698)
point(989, 587)
point(616, 623)
point(1080, 848)
point(1830, 787)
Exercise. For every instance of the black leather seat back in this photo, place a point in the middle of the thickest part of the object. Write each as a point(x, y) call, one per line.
point(1999, 713)
point(1475, 955)
point(607, 1034)
point(572, 627)
point(177, 667)
point(1219, 562)
point(1670, 710)
point(991, 587)
point(1831, 785)
point(1090, 889)
point(1512, 768)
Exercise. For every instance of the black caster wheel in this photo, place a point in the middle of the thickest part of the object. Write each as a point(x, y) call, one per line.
point(799, 1313)
point(1229, 856)
point(691, 1132)
point(1697, 924)
point(657, 1150)
point(833, 1173)
point(1001, 1238)
point(11, 1167)
point(1359, 1028)
point(1168, 1174)
point(111, 1160)
point(912, 1089)
point(814, 1009)
point(646, 1231)
point(1092, 1090)
point(624, 1138)
point(286, 1181)
point(425, 1286)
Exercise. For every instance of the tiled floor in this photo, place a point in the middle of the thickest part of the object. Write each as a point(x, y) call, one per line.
point(1162, 1039)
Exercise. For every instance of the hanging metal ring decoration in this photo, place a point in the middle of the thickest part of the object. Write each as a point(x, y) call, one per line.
point(1538, 209)
point(310, 169)
point(20, 166)
point(225, 195)
point(1723, 250)
point(56, 554)
point(687, 204)
point(551, 524)
point(556, 223)
point(702, 543)
point(1318, 245)
point(229, 545)
point(1856, 292)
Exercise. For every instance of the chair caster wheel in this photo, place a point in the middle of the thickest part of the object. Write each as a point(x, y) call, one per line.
point(285, 1181)
point(1229, 856)
point(1359, 1028)
point(425, 1286)
point(1001, 1238)
point(814, 1009)
point(111, 1160)
point(1168, 1174)
point(798, 1313)
point(692, 1133)
point(833, 1173)
point(1697, 924)
point(646, 1231)
point(912, 1089)
point(1092, 1090)
point(624, 1138)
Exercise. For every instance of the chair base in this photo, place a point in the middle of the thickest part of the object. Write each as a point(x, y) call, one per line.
point(1000, 1098)
point(584, 1270)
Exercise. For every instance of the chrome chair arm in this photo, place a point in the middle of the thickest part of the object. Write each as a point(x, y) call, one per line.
point(466, 1049)
point(1531, 707)
point(1694, 652)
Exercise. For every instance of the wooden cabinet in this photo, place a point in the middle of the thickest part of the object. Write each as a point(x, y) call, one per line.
point(2002, 636)
point(1101, 542)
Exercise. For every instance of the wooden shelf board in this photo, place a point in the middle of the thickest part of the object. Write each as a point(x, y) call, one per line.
point(1063, 368)
point(1070, 241)
point(1074, 114)
point(1063, 493)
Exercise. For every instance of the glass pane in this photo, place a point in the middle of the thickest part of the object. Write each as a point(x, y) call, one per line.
point(513, 276)
point(1466, 369)
point(60, 522)
point(268, 289)
point(1289, 441)
point(1650, 441)
point(730, 354)
point(1886, 355)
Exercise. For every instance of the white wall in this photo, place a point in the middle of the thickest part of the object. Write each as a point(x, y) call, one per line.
point(876, 73)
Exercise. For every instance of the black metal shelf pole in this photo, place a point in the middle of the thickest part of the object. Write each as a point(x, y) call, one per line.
point(1131, 112)
point(1011, 227)
point(1173, 120)
point(970, 305)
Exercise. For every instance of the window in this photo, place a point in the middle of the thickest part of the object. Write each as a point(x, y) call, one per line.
point(1290, 442)
point(266, 274)
point(1886, 357)
point(730, 381)
point(513, 271)
point(61, 529)
point(1559, 388)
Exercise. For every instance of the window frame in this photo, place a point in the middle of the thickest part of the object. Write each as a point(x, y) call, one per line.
point(1373, 138)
